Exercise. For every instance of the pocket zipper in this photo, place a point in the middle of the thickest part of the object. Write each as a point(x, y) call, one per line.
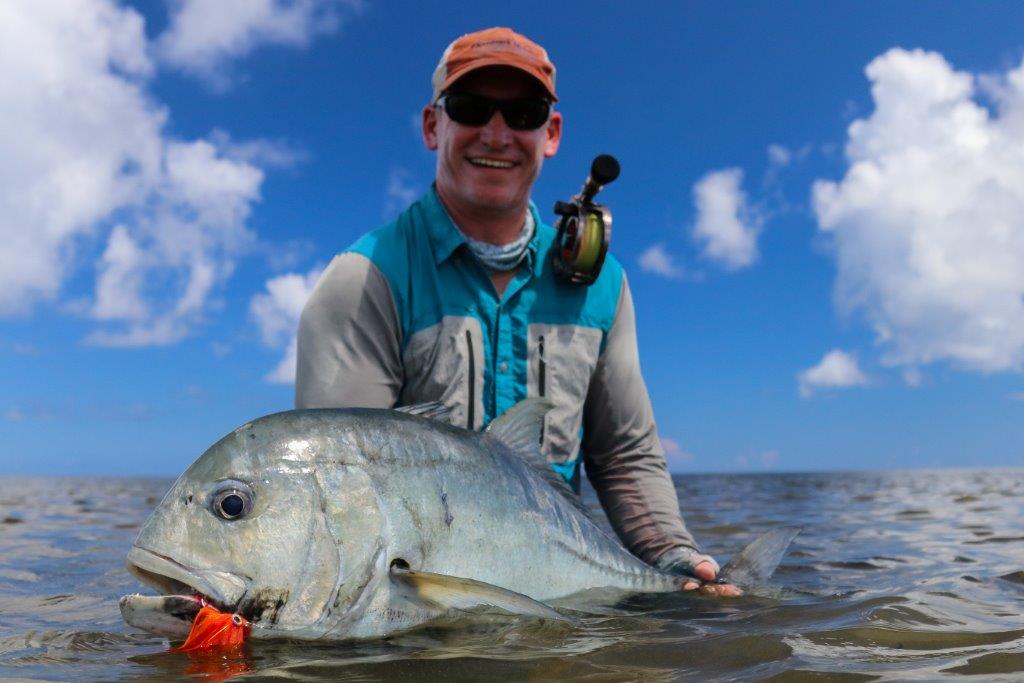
point(542, 367)
point(470, 409)
point(542, 371)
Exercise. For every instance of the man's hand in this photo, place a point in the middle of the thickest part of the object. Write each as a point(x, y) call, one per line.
point(698, 572)
point(706, 572)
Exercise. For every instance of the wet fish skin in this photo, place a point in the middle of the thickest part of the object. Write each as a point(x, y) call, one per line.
point(339, 495)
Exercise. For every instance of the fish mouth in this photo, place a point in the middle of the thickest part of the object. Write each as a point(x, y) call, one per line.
point(183, 592)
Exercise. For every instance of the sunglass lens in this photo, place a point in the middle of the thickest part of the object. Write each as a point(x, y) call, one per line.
point(525, 114)
point(468, 109)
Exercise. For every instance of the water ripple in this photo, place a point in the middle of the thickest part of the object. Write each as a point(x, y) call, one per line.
point(897, 575)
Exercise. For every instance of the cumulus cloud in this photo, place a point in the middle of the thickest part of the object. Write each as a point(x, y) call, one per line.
point(912, 377)
point(203, 37)
point(79, 138)
point(90, 172)
point(70, 408)
point(259, 152)
point(159, 282)
point(401, 191)
point(765, 459)
point(276, 312)
point(675, 456)
point(836, 370)
point(928, 222)
point(779, 155)
point(658, 261)
point(726, 227)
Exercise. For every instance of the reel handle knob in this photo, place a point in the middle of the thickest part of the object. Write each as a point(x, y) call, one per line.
point(604, 169)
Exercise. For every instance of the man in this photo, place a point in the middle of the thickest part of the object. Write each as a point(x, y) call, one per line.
point(456, 301)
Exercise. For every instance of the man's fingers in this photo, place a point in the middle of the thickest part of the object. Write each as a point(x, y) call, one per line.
point(705, 575)
point(721, 590)
point(705, 571)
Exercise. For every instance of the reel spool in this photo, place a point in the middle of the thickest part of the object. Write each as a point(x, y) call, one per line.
point(585, 228)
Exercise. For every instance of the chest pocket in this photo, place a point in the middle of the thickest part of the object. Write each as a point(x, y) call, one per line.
point(561, 360)
point(445, 362)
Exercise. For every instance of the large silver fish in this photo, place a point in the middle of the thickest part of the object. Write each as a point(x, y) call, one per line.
point(357, 523)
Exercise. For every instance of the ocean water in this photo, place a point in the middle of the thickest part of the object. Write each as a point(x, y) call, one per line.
point(896, 576)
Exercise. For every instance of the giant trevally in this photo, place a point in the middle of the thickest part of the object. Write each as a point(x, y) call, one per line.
point(355, 523)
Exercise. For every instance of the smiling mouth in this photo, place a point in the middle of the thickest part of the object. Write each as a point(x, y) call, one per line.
point(490, 163)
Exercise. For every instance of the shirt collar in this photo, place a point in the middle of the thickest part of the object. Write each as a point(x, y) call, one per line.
point(445, 238)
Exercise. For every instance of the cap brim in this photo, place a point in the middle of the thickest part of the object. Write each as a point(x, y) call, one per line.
point(481, 63)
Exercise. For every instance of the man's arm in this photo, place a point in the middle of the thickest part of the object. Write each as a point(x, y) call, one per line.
point(349, 345)
point(623, 455)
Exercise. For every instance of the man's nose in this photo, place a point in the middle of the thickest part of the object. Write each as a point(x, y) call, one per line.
point(496, 133)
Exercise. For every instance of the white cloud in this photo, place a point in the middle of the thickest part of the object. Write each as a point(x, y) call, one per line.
point(779, 155)
point(658, 261)
point(203, 37)
point(276, 312)
point(401, 191)
point(220, 349)
point(159, 282)
point(89, 169)
point(78, 136)
point(117, 291)
point(675, 456)
point(912, 377)
point(726, 227)
point(765, 459)
point(836, 370)
point(259, 152)
point(928, 222)
point(19, 348)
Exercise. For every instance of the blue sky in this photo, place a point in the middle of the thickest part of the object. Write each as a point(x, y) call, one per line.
point(820, 210)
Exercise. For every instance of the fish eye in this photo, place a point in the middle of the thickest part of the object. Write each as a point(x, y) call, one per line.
point(231, 500)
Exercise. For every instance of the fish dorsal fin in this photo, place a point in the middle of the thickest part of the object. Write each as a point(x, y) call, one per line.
point(756, 562)
point(434, 410)
point(452, 592)
point(519, 428)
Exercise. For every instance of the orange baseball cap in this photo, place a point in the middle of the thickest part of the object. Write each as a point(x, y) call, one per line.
point(497, 46)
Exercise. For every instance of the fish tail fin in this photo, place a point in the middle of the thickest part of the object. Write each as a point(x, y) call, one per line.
point(759, 560)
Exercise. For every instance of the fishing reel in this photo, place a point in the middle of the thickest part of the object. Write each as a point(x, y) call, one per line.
point(585, 228)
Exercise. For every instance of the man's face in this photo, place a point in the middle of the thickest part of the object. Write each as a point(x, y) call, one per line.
point(463, 179)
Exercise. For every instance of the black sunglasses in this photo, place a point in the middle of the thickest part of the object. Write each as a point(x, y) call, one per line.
point(469, 109)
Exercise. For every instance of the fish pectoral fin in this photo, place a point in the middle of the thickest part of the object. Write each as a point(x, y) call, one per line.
point(452, 592)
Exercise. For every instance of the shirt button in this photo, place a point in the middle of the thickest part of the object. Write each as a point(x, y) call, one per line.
point(503, 367)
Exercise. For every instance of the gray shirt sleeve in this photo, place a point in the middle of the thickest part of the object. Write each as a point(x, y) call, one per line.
point(349, 345)
point(622, 453)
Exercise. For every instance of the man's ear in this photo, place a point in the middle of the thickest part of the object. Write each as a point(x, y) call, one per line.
point(554, 134)
point(430, 127)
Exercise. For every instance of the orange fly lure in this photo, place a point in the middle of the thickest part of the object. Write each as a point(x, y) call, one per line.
point(213, 628)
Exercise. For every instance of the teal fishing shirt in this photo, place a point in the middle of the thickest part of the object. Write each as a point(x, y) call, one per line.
point(408, 314)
